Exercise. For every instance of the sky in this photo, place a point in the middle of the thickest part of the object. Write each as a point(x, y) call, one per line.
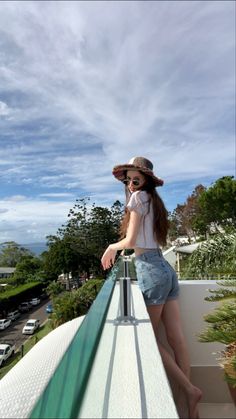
point(85, 86)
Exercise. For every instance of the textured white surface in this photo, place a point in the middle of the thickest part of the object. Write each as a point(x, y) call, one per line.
point(22, 386)
point(128, 379)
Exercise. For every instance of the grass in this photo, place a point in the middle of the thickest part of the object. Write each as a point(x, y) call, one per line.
point(11, 362)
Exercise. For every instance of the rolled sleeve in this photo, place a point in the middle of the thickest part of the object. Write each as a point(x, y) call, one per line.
point(139, 202)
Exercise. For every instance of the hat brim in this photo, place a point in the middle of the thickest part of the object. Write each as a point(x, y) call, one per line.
point(119, 172)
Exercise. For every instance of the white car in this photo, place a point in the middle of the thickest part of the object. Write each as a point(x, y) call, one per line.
point(6, 351)
point(13, 315)
point(4, 323)
point(30, 326)
point(35, 301)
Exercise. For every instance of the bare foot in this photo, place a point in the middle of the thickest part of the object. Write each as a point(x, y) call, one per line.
point(182, 405)
point(194, 397)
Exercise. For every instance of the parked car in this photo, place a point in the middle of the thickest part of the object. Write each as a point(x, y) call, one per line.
point(13, 315)
point(6, 350)
point(49, 308)
point(43, 296)
point(24, 307)
point(30, 326)
point(35, 301)
point(4, 323)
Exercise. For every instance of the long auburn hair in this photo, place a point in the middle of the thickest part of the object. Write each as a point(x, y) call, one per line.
point(160, 213)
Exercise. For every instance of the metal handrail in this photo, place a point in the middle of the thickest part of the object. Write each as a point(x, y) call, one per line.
point(64, 393)
point(125, 294)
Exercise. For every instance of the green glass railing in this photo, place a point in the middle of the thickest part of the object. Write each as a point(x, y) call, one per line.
point(63, 396)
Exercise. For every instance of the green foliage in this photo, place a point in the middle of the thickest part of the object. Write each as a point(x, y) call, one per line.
point(61, 257)
point(79, 245)
point(54, 288)
point(12, 253)
point(217, 205)
point(206, 209)
point(73, 304)
point(27, 270)
point(221, 327)
point(221, 324)
point(214, 257)
point(181, 219)
point(226, 293)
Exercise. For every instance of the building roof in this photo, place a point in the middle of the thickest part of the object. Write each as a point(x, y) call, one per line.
point(170, 256)
point(7, 270)
point(187, 249)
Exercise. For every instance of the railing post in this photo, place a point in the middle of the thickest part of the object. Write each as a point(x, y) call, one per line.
point(125, 293)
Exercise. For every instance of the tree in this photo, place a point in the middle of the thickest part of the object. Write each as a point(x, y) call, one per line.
point(61, 257)
point(91, 230)
point(173, 231)
point(181, 219)
point(12, 253)
point(215, 257)
point(217, 206)
point(79, 245)
point(27, 270)
point(69, 305)
point(54, 289)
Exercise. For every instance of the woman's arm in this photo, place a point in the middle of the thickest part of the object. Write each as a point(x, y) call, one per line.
point(128, 242)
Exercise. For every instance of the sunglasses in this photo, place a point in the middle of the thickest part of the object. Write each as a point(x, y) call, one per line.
point(136, 182)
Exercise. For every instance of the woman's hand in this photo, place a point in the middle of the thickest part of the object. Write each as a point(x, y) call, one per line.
point(108, 258)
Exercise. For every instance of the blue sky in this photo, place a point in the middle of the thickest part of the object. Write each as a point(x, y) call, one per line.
point(88, 85)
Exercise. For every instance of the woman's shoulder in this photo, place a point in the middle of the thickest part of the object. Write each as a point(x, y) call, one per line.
point(140, 197)
point(139, 201)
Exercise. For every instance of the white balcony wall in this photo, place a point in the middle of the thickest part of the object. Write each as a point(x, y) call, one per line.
point(193, 307)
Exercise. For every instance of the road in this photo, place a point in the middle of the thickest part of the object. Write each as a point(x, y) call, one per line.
point(14, 331)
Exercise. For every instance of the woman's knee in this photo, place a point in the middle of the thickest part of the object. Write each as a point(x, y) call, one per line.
point(175, 338)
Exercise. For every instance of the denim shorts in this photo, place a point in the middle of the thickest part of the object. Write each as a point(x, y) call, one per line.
point(156, 278)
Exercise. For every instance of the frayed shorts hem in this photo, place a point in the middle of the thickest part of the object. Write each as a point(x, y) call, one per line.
point(159, 303)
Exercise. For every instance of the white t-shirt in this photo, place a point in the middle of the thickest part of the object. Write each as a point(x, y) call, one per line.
point(139, 202)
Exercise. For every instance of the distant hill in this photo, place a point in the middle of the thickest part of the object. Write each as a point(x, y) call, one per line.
point(36, 248)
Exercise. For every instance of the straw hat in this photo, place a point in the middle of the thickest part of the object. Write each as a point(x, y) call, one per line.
point(137, 163)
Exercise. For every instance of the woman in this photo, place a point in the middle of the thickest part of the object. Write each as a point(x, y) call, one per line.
point(144, 228)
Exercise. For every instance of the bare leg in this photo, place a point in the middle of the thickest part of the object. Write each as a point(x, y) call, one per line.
point(174, 333)
point(175, 336)
point(192, 393)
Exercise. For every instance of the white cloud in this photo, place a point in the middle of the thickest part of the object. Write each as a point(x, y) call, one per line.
point(56, 195)
point(88, 85)
point(4, 109)
point(28, 220)
point(15, 198)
